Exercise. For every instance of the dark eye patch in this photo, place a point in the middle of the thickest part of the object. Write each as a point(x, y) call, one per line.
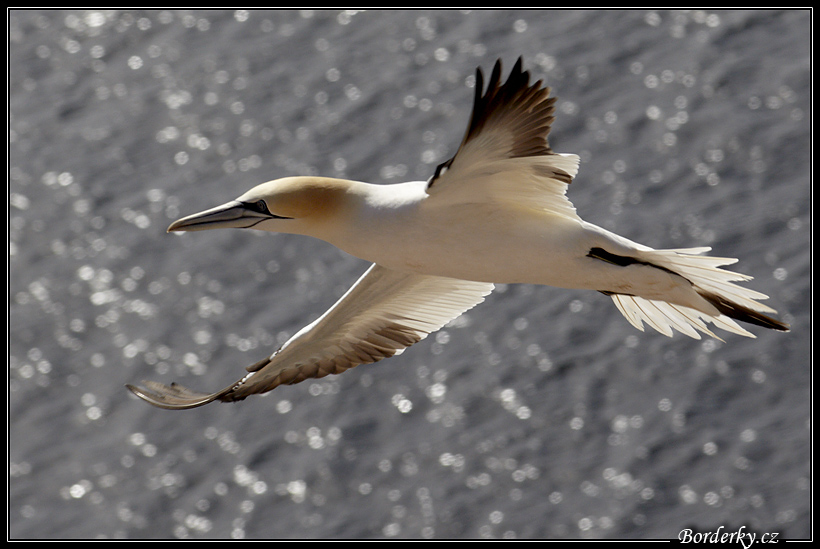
point(260, 206)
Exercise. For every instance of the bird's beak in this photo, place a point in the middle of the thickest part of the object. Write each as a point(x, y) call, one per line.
point(234, 214)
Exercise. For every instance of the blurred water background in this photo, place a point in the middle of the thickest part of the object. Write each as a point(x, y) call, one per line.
point(540, 414)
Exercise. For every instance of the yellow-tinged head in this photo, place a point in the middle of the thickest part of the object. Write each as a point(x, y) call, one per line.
point(286, 205)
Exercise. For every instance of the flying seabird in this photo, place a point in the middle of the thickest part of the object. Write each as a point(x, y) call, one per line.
point(496, 212)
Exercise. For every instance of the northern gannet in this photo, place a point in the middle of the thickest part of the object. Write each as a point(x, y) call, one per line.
point(496, 212)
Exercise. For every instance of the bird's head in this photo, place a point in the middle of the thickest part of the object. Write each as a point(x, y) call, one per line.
point(288, 205)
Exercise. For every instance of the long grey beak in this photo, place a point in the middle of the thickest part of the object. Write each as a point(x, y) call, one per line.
point(234, 214)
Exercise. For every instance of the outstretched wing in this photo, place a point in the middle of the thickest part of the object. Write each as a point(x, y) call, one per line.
point(505, 155)
point(382, 314)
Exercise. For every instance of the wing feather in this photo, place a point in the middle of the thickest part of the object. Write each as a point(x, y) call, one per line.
point(505, 154)
point(382, 314)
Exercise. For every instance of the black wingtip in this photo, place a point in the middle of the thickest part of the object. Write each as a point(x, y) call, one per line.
point(524, 111)
point(172, 397)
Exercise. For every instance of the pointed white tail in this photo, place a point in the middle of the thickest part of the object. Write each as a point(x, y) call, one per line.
point(716, 287)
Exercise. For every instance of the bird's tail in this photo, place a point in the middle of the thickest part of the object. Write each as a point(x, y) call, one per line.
point(723, 302)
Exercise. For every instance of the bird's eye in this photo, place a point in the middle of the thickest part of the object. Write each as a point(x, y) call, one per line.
point(260, 206)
